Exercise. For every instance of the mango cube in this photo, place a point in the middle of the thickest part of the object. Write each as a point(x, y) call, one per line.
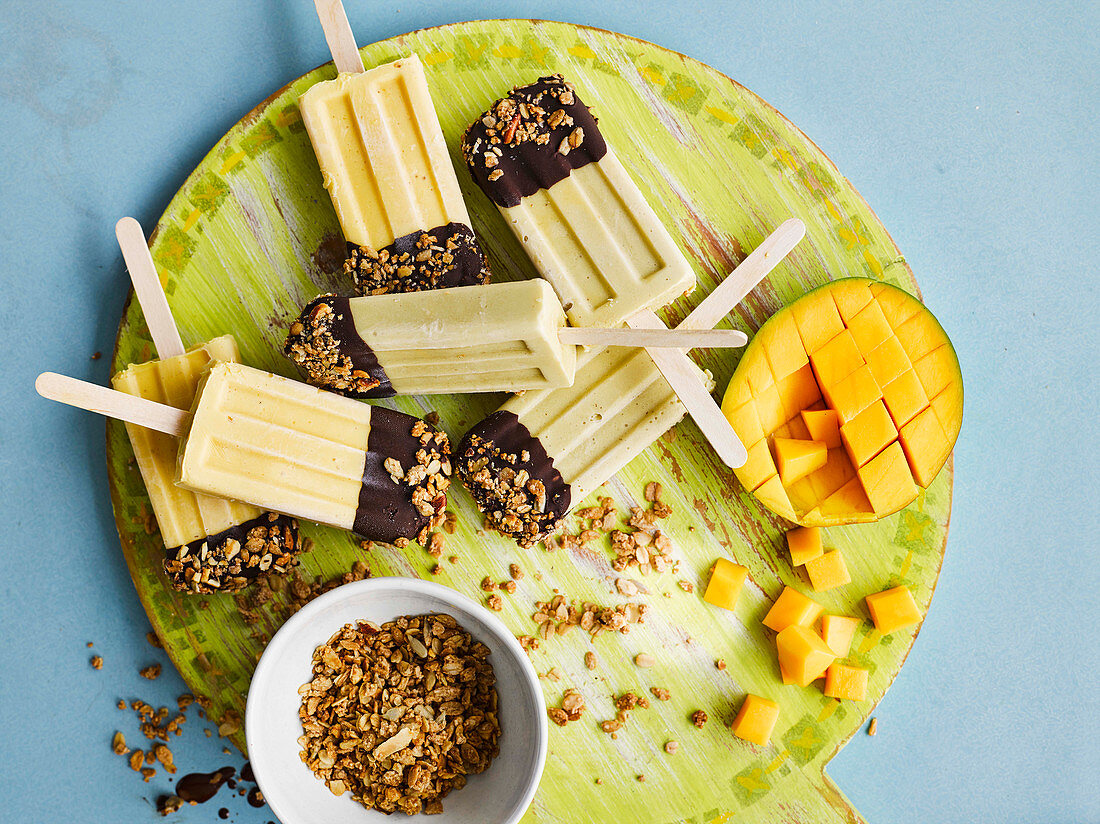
point(887, 480)
point(851, 296)
point(804, 544)
point(798, 390)
point(851, 395)
point(803, 655)
point(869, 327)
point(797, 459)
point(725, 584)
point(888, 360)
point(758, 374)
point(849, 498)
point(783, 347)
point(792, 608)
point(774, 496)
point(756, 720)
point(823, 425)
point(836, 360)
point(846, 681)
point(745, 422)
point(818, 322)
point(893, 609)
point(838, 632)
point(904, 397)
point(925, 444)
point(937, 370)
point(868, 433)
point(769, 406)
point(759, 467)
point(828, 571)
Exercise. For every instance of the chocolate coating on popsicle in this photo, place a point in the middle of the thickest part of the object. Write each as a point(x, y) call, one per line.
point(324, 342)
point(530, 140)
point(405, 479)
point(434, 258)
point(512, 479)
point(233, 558)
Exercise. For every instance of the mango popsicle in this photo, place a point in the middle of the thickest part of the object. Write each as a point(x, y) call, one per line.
point(539, 156)
point(211, 544)
point(384, 162)
point(289, 447)
point(496, 337)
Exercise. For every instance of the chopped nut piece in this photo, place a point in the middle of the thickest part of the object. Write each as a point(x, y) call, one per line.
point(152, 672)
point(590, 660)
point(672, 747)
point(118, 744)
point(644, 660)
point(699, 718)
point(872, 728)
point(97, 662)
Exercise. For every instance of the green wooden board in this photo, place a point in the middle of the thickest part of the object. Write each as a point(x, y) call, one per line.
point(251, 236)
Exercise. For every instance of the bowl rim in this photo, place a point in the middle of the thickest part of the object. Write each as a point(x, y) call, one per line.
point(274, 650)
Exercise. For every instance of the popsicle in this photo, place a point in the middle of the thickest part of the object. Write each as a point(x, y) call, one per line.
point(385, 165)
point(540, 157)
point(211, 544)
point(288, 447)
point(497, 337)
point(527, 464)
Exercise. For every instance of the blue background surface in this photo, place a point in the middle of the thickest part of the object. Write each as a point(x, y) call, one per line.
point(969, 127)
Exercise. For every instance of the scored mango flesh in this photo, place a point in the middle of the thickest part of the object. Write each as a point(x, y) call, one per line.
point(874, 357)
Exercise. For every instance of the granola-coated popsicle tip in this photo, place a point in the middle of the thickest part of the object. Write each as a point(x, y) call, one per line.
point(437, 258)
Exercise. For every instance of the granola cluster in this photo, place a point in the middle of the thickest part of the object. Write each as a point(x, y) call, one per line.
point(398, 715)
point(571, 709)
point(429, 478)
point(558, 616)
point(228, 562)
point(313, 345)
point(444, 256)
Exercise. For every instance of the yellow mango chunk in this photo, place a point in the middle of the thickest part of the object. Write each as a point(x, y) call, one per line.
point(797, 459)
point(798, 390)
point(772, 494)
point(756, 720)
point(803, 655)
point(836, 360)
point(851, 295)
point(757, 374)
point(828, 571)
point(804, 544)
point(868, 433)
point(851, 395)
point(904, 397)
point(937, 370)
point(896, 304)
point(785, 677)
point(893, 609)
point(822, 425)
point(794, 428)
point(849, 498)
point(888, 360)
point(769, 406)
point(759, 467)
point(792, 608)
point(838, 631)
point(817, 320)
point(948, 407)
point(919, 335)
point(869, 327)
point(846, 681)
point(887, 480)
point(745, 421)
point(925, 446)
point(783, 347)
point(726, 582)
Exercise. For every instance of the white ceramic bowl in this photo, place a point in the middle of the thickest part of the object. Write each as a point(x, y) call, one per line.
point(500, 795)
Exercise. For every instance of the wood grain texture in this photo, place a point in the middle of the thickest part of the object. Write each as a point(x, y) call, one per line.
point(251, 236)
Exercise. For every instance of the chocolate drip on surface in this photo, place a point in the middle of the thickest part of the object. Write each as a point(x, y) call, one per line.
point(512, 478)
point(530, 140)
point(236, 556)
point(324, 342)
point(391, 510)
point(199, 788)
point(436, 258)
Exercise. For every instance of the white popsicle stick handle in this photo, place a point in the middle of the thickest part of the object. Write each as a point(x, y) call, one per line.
point(683, 376)
point(113, 404)
point(743, 279)
point(338, 35)
point(143, 274)
point(653, 338)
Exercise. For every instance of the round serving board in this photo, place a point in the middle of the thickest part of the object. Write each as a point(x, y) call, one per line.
point(251, 236)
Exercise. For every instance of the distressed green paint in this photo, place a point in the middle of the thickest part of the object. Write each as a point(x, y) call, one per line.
point(238, 248)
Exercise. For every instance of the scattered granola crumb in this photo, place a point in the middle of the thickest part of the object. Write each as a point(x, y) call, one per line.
point(97, 355)
point(571, 709)
point(137, 758)
point(89, 645)
point(495, 602)
point(872, 728)
point(686, 586)
point(97, 662)
point(118, 744)
point(435, 544)
point(660, 693)
point(453, 559)
point(528, 642)
point(366, 545)
point(153, 640)
point(644, 660)
point(436, 569)
point(558, 616)
point(590, 660)
point(720, 664)
point(515, 571)
point(640, 777)
point(152, 672)
point(699, 718)
point(672, 747)
point(147, 773)
point(487, 584)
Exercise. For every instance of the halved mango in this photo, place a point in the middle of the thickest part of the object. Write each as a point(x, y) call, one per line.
point(859, 343)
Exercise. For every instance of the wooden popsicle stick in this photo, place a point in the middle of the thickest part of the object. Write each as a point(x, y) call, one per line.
point(338, 35)
point(743, 279)
point(150, 294)
point(112, 403)
point(653, 338)
point(683, 377)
